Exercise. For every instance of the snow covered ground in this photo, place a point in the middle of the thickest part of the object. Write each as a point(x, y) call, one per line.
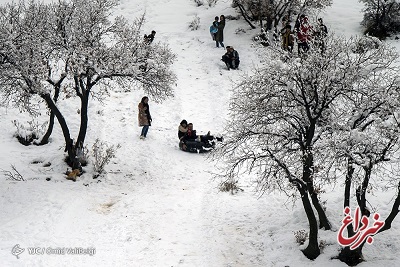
point(158, 206)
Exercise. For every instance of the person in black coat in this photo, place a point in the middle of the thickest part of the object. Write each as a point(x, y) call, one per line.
point(148, 39)
point(182, 129)
point(231, 58)
point(219, 36)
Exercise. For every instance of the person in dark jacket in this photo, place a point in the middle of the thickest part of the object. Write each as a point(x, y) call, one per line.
point(182, 129)
point(219, 36)
point(144, 116)
point(287, 38)
point(231, 58)
point(320, 34)
point(148, 39)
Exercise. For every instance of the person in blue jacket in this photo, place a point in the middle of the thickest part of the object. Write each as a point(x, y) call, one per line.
point(214, 28)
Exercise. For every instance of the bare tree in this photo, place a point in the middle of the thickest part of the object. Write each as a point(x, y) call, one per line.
point(41, 45)
point(273, 12)
point(282, 120)
point(381, 17)
point(367, 137)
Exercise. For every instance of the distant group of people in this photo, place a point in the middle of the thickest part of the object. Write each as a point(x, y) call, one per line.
point(188, 138)
point(305, 33)
point(231, 57)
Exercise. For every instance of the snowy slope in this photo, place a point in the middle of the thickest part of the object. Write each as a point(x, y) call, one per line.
point(158, 206)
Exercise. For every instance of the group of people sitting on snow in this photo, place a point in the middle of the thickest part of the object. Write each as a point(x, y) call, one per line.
point(191, 142)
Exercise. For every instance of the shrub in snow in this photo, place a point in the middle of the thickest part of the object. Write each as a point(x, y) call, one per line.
point(300, 236)
point(240, 31)
point(102, 155)
point(230, 186)
point(212, 3)
point(27, 135)
point(381, 17)
point(13, 175)
point(199, 2)
point(195, 23)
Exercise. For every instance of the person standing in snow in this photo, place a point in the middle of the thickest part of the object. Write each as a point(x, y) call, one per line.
point(304, 36)
point(219, 36)
point(144, 116)
point(320, 34)
point(287, 38)
point(214, 28)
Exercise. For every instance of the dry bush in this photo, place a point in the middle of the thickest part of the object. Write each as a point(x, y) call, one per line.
point(102, 154)
point(301, 236)
point(13, 175)
point(230, 186)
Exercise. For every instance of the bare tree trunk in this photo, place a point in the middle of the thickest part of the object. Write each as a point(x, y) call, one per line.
point(393, 212)
point(57, 86)
point(351, 257)
point(312, 251)
point(346, 202)
point(308, 164)
point(362, 191)
point(243, 12)
point(346, 255)
point(68, 141)
point(84, 118)
point(46, 136)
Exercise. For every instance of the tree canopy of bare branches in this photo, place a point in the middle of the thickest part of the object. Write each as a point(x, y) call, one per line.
point(77, 44)
point(294, 122)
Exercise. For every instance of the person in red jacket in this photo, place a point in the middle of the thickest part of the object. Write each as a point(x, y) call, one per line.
point(304, 34)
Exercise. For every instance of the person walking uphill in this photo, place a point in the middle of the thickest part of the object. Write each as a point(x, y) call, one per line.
point(219, 35)
point(144, 116)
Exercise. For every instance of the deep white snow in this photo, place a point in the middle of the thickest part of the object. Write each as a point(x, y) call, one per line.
point(159, 206)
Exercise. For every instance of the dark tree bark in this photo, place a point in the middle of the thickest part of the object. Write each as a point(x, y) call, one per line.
point(57, 87)
point(308, 169)
point(348, 181)
point(64, 127)
point(393, 212)
point(308, 164)
point(351, 257)
point(84, 118)
point(243, 12)
point(312, 251)
point(362, 191)
point(46, 136)
point(83, 92)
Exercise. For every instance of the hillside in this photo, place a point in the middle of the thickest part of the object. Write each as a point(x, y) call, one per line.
point(159, 206)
